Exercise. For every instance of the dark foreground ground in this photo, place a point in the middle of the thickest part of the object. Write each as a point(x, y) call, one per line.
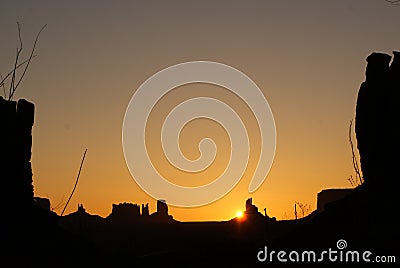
point(47, 240)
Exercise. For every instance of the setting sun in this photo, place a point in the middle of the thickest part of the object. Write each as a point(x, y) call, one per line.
point(239, 214)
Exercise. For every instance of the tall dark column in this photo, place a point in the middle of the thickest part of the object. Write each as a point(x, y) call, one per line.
point(370, 116)
point(15, 156)
point(393, 142)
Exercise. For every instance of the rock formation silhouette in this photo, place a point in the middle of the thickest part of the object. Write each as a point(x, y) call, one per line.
point(130, 213)
point(250, 208)
point(162, 208)
point(145, 210)
point(25, 220)
point(392, 144)
point(15, 158)
point(371, 112)
point(124, 212)
point(327, 196)
point(161, 215)
point(252, 213)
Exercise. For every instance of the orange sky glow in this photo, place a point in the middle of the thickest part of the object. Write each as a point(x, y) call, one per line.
point(308, 60)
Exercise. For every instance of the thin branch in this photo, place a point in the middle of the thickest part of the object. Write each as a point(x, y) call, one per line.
point(59, 205)
point(11, 72)
point(3, 86)
point(13, 75)
point(29, 61)
point(354, 159)
point(76, 182)
point(305, 209)
point(351, 180)
point(19, 49)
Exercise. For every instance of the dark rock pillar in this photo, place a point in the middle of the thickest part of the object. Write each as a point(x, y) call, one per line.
point(162, 208)
point(17, 120)
point(393, 142)
point(370, 116)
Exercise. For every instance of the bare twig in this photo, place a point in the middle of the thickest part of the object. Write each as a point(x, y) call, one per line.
point(19, 49)
point(305, 209)
point(76, 182)
point(354, 158)
point(59, 205)
point(3, 86)
point(29, 60)
point(351, 180)
point(3, 79)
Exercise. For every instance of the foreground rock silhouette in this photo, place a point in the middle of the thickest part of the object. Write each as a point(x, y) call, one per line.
point(371, 113)
point(377, 117)
point(27, 226)
point(364, 217)
point(17, 119)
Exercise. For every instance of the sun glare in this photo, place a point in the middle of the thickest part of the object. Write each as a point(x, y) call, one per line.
point(239, 214)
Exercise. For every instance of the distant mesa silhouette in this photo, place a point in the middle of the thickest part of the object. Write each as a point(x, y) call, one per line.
point(81, 209)
point(124, 214)
point(162, 212)
point(252, 214)
point(250, 208)
point(145, 210)
point(128, 212)
point(327, 196)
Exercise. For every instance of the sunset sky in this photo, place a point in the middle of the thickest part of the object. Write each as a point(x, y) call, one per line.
point(308, 59)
